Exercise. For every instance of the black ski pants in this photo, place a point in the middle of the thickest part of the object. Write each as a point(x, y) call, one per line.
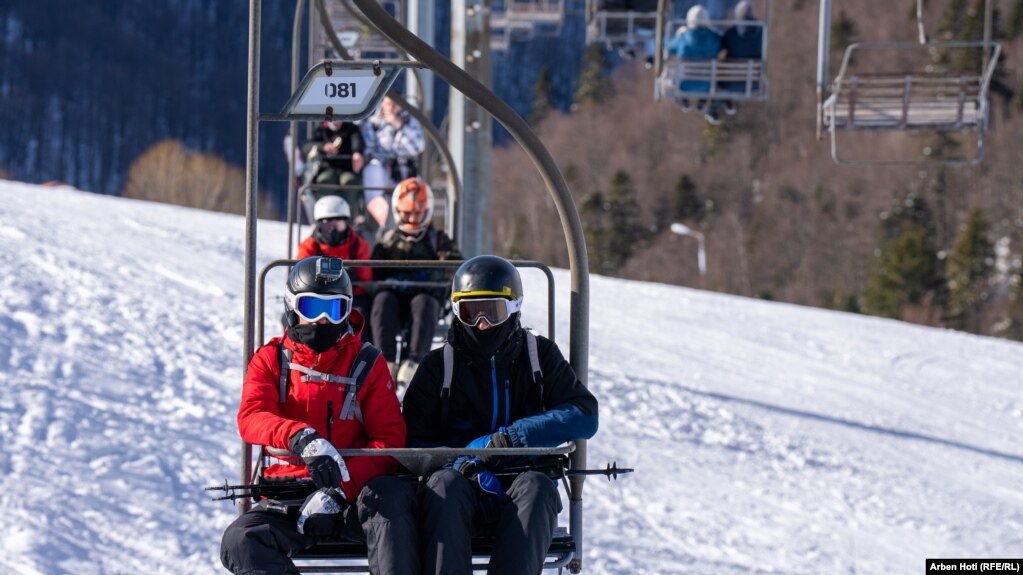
point(389, 313)
point(523, 526)
point(260, 541)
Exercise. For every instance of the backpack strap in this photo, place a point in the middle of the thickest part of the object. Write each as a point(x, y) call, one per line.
point(361, 367)
point(445, 391)
point(534, 363)
point(284, 363)
point(313, 375)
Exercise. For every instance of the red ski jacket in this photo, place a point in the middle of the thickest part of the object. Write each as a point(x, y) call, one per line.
point(354, 248)
point(263, 420)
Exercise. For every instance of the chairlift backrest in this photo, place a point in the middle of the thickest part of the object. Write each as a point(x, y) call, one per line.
point(614, 28)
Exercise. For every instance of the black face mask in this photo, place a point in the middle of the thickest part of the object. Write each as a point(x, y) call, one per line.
point(486, 343)
point(319, 337)
point(334, 237)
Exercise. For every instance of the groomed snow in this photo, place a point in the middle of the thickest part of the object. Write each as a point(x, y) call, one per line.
point(767, 438)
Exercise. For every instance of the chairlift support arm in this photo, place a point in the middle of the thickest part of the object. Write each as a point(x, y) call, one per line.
point(556, 186)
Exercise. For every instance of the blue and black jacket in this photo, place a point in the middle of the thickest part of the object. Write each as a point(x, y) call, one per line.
point(488, 393)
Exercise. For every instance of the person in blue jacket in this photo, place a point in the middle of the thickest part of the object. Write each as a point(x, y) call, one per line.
point(697, 41)
point(498, 397)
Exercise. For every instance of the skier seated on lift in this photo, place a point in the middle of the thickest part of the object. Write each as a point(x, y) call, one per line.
point(393, 141)
point(304, 421)
point(333, 236)
point(413, 238)
point(742, 42)
point(507, 388)
point(697, 41)
point(335, 156)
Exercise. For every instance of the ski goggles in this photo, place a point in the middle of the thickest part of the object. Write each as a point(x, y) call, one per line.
point(495, 310)
point(313, 306)
point(333, 223)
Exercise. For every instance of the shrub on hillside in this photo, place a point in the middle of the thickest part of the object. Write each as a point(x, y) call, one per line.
point(170, 174)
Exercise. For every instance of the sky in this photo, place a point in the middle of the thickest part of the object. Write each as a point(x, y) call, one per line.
point(766, 437)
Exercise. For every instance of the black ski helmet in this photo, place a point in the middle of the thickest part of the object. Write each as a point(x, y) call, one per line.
point(486, 276)
point(318, 274)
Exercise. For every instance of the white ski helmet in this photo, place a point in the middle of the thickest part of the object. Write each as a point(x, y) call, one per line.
point(331, 208)
point(697, 17)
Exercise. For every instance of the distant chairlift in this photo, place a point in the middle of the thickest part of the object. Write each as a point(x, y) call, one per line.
point(921, 94)
point(362, 42)
point(621, 29)
point(726, 78)
point(521, 20)
point(505, 30)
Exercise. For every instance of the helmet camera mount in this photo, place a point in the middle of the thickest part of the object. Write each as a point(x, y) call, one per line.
point(329, 269)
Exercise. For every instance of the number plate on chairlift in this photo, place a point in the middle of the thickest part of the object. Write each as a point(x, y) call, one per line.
point(342, 89)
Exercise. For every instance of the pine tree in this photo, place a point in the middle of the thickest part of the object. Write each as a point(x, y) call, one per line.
point(594, 86)
point(541, 98)
point(688, 205)
point(1014, 25)
point(906, 271)
point(627, 231)
point(612, 225)
point(843, 33)
point(1014, 314)
point(953, 20)
point(1017, 100)
point(593, 212)
point(970, 265)
point(969, 59)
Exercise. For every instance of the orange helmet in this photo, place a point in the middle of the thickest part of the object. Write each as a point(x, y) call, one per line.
point(412, 206)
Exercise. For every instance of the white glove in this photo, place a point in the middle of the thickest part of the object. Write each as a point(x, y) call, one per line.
point(326, 466)
point(322, 513)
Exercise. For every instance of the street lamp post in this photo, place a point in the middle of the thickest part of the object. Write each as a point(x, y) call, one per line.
point(701, 254)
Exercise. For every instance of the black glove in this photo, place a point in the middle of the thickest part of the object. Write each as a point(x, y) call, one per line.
point(326, 467)
point(322, 514)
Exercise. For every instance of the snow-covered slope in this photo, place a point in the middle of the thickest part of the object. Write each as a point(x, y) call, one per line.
point(766, 437)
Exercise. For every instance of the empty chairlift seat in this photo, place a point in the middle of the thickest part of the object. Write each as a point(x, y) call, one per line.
point(909, 100)
point(908, 86)
point(618, 28)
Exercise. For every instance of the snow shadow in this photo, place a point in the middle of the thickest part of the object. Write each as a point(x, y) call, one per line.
point(844, 422)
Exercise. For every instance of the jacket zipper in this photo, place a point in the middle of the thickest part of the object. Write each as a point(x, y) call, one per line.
point(507, 401)
point(330, 418)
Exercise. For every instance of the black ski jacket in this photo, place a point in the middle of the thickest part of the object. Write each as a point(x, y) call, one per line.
point(490, 393)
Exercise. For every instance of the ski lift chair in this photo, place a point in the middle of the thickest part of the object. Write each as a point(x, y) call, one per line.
point(346, 556)
point(621, 29)
point(505, 30)
point(911, 100)
point(306, 196)
point(735, 79)
point(358, 38)
point(545, 16)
